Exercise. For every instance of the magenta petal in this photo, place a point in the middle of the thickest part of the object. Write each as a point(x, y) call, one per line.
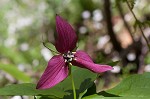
point(83, 60)
point(83, 55)
point(66, 36)
point(55, 72)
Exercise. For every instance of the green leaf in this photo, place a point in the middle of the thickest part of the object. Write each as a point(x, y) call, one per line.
point(91, 90)
point(135, 86)
point(79, 76)
point(51, 47)
point(82, 94)
point(29, 89)
point(13, 71)
point(49, 97)
point(83, 79)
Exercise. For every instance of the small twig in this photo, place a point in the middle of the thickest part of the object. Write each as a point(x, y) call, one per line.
point(138, 25)
point(120, 9)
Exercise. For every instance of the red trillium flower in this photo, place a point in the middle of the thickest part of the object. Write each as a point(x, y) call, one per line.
point(58, 66)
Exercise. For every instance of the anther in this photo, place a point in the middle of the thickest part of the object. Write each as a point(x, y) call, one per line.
point(69, 56)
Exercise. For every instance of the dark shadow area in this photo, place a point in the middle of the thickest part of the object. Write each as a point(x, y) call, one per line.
point(87, 83)
point(105, 94)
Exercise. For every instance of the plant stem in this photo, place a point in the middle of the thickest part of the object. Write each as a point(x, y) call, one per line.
point(138, 24)
point(72, 81)
point(73, 86)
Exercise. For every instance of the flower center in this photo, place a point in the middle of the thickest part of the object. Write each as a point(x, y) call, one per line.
point(69, 56)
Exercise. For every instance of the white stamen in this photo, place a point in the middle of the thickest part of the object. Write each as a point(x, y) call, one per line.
point(68, 56)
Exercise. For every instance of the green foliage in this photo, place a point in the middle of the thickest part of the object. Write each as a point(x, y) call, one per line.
point(131, 2)
point(29, 89)
point(13, 71)
point(83, 80)
point(87, 5)
point(14, 57)
point(51, 47)
point(142, 24)
point(147, 59)
point(135, 86)
point(146, 23)
point(24, 21)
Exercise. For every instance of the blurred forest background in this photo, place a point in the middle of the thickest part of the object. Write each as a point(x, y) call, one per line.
point(107, 30)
